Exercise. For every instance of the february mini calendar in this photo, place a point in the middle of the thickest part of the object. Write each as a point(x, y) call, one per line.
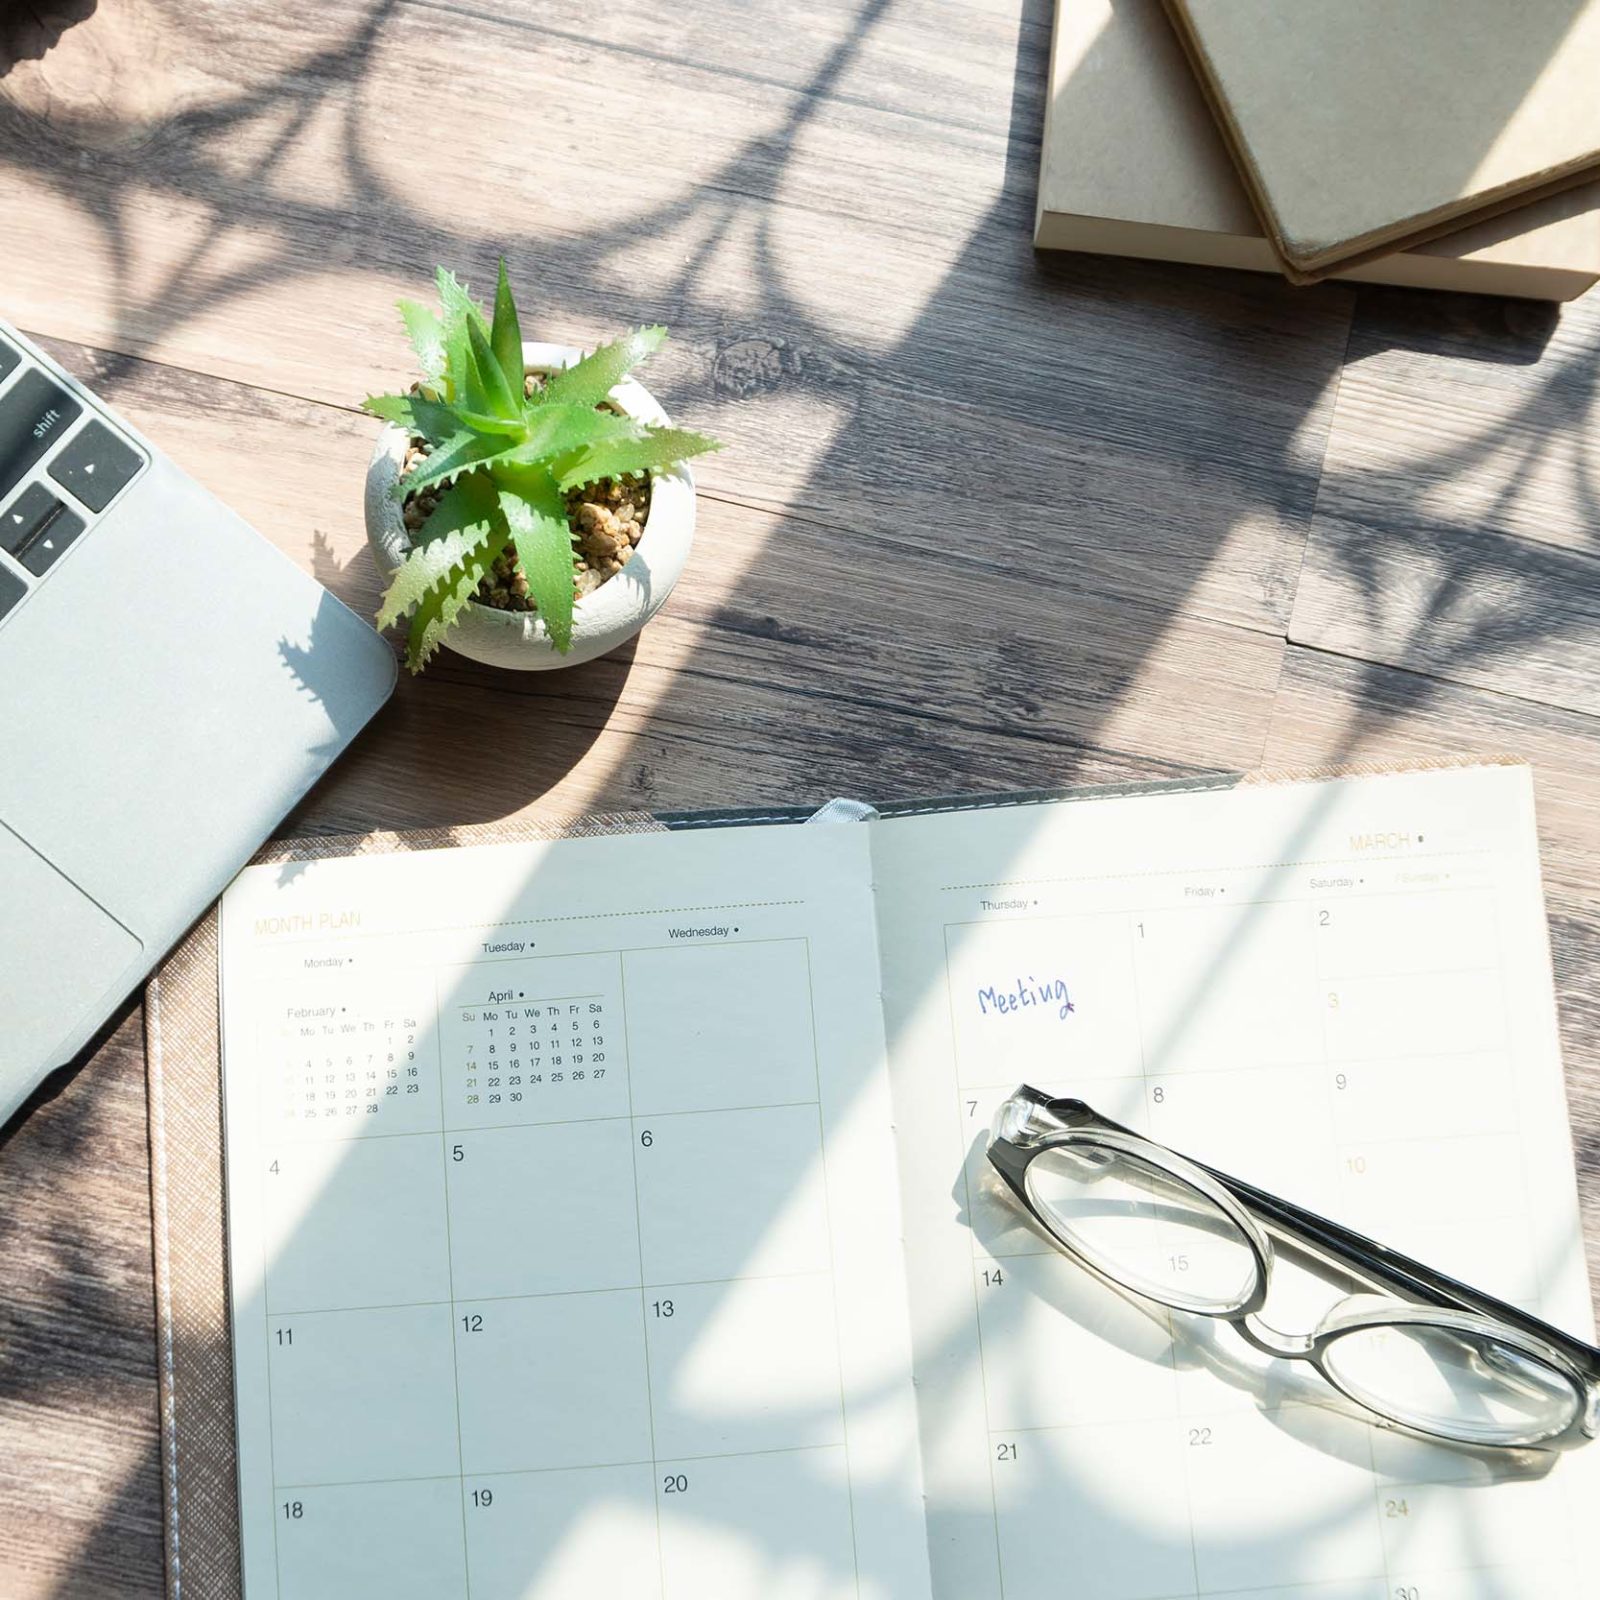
point(611, 1216)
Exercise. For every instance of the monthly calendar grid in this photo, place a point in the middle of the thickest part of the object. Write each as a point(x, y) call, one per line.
point(435, 1047)
point(1356, 1047)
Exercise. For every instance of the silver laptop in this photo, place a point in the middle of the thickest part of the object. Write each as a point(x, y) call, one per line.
point(170, 686)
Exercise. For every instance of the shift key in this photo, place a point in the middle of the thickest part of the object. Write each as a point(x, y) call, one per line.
point(34, 413)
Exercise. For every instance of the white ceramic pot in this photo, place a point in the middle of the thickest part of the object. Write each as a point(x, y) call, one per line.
point(602, 619)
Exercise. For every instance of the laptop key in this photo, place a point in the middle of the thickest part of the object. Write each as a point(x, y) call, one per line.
point(33, 508)
point(37, 527)
point(12, 589)
point(50, 540)
point(8, 360)
point(34, 413)
point(95, 466)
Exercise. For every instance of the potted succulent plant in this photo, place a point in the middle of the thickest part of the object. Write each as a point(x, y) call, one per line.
point(529, 503)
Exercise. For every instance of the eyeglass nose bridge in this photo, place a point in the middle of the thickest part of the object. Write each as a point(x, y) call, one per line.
point(1270, 1342)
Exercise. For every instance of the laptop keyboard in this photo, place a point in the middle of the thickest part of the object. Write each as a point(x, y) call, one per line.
point(83, 476)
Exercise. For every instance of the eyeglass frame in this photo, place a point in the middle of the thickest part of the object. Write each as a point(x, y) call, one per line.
point(1031, 1122)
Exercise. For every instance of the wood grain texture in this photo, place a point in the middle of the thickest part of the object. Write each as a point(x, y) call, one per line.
point(855, 304)
point(80, 1512)
point(986, 520)
point(1457, 529)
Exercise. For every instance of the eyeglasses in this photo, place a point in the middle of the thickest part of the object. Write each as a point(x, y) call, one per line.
point(1424, 1353)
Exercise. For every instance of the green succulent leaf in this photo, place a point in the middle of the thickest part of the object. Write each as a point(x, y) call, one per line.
point(589, 381)
point(457, 304)
point(506, 335)
point(460, 523)
point(429, 419)
point(455, 547)
point(459, 310)
point(460, 452)
point(539, 434)
point(391, 407)
point(470, 500)
point(482, 422)
point(502, 400)
point(456, 356)
point(536, 514)
point(473, 390)
point(442, 605)
point(555, 432)
point(651, 450)
point(426, 333)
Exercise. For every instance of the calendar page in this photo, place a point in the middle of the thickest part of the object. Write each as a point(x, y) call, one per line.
point(564, 1228)
point(1337, 991)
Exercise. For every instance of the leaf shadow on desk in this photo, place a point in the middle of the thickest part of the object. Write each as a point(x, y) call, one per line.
point(1060, 499)
point(912, 446)
point(1068, 626)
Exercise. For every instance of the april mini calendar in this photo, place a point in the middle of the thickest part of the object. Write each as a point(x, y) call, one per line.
point(613, 1217)
point(532, 1040)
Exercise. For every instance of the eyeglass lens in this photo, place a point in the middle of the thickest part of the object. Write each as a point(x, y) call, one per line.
point(1142, 1226)
point(1465, 1385)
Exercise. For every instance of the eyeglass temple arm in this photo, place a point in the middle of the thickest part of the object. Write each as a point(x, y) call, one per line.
point(1344, 1247)
point(1410, 1277)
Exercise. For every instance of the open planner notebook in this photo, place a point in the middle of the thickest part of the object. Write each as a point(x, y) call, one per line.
point(610, 1216)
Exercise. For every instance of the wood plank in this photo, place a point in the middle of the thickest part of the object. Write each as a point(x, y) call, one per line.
point(763, 679)
point(857, 309)
point(874, 54)
point(80, 1511)
point(1456, 527)
point(1331, 710)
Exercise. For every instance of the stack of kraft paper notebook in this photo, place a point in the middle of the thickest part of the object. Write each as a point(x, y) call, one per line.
point(1447, 144)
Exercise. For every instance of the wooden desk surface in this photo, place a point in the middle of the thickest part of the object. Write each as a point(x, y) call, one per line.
point(986, 519)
